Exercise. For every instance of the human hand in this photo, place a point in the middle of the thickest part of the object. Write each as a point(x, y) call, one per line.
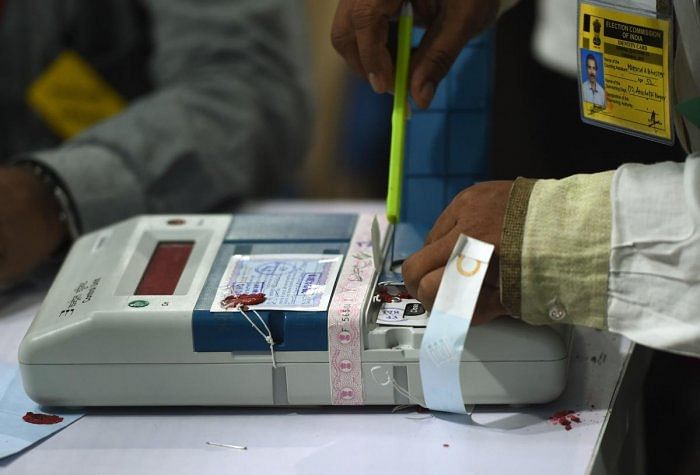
point(30, 228)
point(478, 212)
point(360, 34)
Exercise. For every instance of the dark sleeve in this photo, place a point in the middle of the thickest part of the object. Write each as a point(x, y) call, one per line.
point(230, 115)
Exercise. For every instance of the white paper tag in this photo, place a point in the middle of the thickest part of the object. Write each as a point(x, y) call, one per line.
point(443, 342)
point(289, 281)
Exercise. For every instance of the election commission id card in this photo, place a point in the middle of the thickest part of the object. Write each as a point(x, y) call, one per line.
point(624, 67)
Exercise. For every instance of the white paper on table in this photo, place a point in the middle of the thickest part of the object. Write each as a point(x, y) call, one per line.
point(16, 434)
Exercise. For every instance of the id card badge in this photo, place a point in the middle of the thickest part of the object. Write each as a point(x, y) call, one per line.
point(70, 96)
point(624, 57)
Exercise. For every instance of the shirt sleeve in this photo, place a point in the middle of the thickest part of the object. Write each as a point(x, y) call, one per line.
point(616, 250)
point(654, 288)
point(229, 117)
point(564, 250)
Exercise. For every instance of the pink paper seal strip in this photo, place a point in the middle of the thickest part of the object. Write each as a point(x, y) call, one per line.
point(345, 314)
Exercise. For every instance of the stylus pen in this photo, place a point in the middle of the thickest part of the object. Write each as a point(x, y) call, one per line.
point(398, 115)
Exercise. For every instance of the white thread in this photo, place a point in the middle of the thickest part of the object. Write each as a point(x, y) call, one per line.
point(420, 418)
point(267, 337)
point(400, 389)
point(228, 446)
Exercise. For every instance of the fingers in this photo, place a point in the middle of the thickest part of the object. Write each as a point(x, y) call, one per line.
point(430, 257)
point(488, 306)
point(446, 221)
point(455, 24)
point(478, 211)
point(449, 218)
point(428, 287)
point(360, 33)
point(343, 37)
point(370, 20)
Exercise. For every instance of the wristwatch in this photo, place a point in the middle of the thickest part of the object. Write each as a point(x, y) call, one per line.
point(67, 213)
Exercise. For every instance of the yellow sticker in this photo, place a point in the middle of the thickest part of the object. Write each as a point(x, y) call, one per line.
point(624, 68)
point(71, 96)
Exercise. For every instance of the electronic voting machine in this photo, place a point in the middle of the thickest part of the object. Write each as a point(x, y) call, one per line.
point(153, 311)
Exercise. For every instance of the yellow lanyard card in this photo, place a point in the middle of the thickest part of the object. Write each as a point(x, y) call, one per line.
point(71, 96)
point(624, 67)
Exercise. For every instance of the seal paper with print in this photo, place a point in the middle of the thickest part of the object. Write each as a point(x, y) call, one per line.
point(289, 281)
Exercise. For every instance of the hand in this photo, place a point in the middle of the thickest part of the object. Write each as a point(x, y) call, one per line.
point(360, 34)
point(478, 212)
point(30, 228)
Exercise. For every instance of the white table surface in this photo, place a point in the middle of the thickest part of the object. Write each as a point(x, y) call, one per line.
point(327, 440)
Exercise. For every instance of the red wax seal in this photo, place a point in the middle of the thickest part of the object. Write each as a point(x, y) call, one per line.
point(242, 300)
point(565, 418)
point(385, 295)
point(39, 418)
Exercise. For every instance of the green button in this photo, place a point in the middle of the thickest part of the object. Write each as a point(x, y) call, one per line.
point(138, 303)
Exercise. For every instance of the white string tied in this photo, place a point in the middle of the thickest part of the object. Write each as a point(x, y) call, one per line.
point(266, 336)
point(400, 389)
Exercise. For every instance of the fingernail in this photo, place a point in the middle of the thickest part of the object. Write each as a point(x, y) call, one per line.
point(427, 92)
point(376, 83)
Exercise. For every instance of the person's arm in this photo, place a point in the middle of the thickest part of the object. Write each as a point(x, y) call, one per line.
point(30, 223)
point(616, 251)
point(361, 28)
point(229, 116)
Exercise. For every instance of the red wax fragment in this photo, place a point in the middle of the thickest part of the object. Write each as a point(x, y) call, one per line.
point(386, 296)
point(565, 418)
point(445, 445)
point(560, 414)
point(243, 299)
point(38, 418)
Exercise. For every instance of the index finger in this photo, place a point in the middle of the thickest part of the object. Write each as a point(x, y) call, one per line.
point(430, 257)
point(370, 20)
point(454, 25)
point(343, 37)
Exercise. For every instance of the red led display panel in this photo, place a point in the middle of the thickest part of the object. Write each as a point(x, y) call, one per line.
point(164, 268)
